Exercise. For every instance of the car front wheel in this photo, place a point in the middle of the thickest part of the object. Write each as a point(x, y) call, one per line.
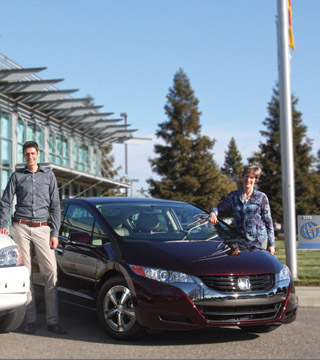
point(115, 310)
point(11, 320)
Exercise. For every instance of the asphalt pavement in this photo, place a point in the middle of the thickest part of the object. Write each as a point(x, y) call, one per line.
point(308, 296)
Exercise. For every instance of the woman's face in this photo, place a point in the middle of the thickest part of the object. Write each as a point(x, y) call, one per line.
point(249, 179)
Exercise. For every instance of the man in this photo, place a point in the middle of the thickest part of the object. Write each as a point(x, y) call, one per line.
point(37, 195)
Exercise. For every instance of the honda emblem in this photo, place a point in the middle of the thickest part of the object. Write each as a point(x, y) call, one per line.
point(244, 284)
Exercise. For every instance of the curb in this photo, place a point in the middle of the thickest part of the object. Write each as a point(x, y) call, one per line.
point(308, 296)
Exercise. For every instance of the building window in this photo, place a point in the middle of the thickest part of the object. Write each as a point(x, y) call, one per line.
point(65, 152)
point(96, 163)
point(76, 156)
point(86, 158)
point(5, 175)
point(59, 149)
point(81, 158)
point(29, 131)
point(5, 139)
point(5, 148)
point(21, 139)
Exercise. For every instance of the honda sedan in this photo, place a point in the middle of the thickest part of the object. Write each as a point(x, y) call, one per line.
point(146, 263)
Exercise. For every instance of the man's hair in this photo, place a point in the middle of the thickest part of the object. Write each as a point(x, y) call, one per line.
point(30, 144)
point(255, 169)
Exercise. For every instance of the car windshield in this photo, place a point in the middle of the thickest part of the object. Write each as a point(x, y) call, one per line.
point(163, 221)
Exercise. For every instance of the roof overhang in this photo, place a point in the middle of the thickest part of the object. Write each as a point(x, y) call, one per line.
point(24, 86)
point(67, 176)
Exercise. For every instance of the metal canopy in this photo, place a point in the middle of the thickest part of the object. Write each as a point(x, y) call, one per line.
point(23, 86)
point(68, 175)
point(61, 104)
point(17, 74)
point(76, 111)
point(117, 134)
point(38, 96)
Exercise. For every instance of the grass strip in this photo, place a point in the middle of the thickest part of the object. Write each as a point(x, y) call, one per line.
point(308, 262)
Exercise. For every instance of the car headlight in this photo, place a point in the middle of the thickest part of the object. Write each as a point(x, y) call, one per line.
point(165, 276)
point(10, 256)
point(285, 273)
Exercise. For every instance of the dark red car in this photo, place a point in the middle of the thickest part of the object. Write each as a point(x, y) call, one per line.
point(158, 264)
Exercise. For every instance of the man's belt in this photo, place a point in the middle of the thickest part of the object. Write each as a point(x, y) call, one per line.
point(30, 223)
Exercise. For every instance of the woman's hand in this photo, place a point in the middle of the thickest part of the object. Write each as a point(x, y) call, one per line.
point(213, 219)
point(271, 250)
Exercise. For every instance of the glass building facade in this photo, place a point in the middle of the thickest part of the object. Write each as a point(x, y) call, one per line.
point(69, 132)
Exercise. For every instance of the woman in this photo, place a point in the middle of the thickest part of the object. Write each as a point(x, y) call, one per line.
point(251, 210)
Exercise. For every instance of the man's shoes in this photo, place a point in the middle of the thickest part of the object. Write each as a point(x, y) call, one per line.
point(30, 328)
point(56, 328)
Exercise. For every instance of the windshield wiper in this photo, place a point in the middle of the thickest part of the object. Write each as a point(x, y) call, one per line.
point(203, 220)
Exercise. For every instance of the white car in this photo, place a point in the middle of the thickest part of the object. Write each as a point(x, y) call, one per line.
point(14, 285)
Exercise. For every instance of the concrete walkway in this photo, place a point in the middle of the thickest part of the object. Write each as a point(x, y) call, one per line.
point(308, 296)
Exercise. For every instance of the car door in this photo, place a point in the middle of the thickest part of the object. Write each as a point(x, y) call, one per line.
point(80, 235)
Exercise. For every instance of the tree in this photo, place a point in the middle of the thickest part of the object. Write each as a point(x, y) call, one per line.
point(232, 166)
point(107, 162)
point(269, 157)
point(185, 165)
point(318, 163)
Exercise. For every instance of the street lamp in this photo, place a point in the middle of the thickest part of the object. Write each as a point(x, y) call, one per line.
point(125, 115)
point(126, 141)
point(131, 182)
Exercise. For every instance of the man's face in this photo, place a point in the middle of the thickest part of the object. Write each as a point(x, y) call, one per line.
point(31, 156)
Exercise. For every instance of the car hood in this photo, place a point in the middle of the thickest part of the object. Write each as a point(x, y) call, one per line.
point(5, 241)
point(199, 257)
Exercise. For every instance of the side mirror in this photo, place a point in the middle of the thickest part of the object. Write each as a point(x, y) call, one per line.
point(80, 237)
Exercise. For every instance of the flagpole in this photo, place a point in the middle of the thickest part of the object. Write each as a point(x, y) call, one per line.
point(286, 138)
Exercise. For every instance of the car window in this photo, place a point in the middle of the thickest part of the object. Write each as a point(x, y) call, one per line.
point(79, 225)
point(99, 236)
point(163, 222)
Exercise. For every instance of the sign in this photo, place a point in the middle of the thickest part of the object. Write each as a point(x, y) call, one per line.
point(309, 231)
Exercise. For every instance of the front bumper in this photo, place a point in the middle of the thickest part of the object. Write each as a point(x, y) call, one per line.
point(14, 287)
point(191, 306)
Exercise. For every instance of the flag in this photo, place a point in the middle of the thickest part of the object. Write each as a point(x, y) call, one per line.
point(291, 41)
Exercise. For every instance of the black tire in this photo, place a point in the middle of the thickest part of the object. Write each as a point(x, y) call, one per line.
point(12, 319)
point(115, 310)
point(259, 328)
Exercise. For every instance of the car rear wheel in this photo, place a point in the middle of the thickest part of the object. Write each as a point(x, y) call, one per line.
point(115, 310)
point(12, 319)
point(259, 328)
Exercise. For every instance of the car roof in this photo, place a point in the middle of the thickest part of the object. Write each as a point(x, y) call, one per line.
point(103, 200)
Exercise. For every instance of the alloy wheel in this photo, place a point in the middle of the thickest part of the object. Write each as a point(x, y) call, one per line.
point(118, 309)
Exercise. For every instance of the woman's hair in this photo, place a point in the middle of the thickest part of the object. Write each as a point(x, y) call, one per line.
point(255, 169)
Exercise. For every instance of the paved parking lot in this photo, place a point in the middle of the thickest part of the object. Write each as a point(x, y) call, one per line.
point(86, 340)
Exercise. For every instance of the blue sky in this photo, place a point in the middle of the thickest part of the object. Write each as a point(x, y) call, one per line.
point(125, 53)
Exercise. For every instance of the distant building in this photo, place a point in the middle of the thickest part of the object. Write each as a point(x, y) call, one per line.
point(70, 132)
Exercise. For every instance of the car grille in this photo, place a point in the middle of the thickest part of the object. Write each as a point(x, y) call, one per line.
point(240, 313)
point(229, 284)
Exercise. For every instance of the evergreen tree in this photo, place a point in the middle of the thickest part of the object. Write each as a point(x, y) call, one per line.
point(318, 163)
point(269, 158)
point(107, 162)
point(185, 165)
point(233, 165)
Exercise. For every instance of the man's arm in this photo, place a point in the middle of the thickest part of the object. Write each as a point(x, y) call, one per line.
point(55, 212)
